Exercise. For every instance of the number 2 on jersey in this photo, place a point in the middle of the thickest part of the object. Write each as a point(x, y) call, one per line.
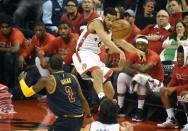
point(69, 92)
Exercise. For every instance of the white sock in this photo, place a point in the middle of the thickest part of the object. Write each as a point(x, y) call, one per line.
point(141, 104)
point(170, 112)
point(101, 95)
point(122, 81)
point(121, 101)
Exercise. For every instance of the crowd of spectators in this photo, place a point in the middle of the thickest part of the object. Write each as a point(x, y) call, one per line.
point(33, 30)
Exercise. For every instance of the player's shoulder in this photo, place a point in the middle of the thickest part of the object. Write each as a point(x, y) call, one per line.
point(97, 20)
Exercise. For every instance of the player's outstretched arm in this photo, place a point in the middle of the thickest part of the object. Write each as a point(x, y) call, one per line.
point(30, 91)
point(129, 47)
point(97, 26)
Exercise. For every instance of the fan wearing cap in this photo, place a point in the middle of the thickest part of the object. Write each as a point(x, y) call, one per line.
point(129, 15)
point(133, 68)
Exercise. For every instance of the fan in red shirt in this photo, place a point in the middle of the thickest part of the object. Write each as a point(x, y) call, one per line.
point(140, 76)
point(72, 17)
point(11, 43)
point(39, 41)
point(175, 11)
point(64, 44)
point(156, 34)
point(88, 12)
point(178, 84)
point(129, 15)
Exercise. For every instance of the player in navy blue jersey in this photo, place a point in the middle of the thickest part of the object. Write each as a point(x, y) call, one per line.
point(64, 95)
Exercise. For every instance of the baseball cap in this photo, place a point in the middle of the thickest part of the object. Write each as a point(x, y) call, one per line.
point(129, 12)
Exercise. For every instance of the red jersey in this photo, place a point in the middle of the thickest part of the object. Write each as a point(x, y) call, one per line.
point(36, 43)
point(74, 23)
point(154, 29)
point(179, 78)
point(15, 37)
point(157, 71)
point(62, 48)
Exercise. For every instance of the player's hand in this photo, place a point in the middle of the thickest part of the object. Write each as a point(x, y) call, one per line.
point(121, 57)
point(22, 75)
point(44, 62)
point(91, 119)
point(185, 97)
point(121, 60)
point(21, 62)
point(141, 55)
point(126, 126)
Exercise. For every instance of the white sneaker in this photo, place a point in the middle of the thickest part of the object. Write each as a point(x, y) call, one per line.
point(185, 127)
point(169, 123)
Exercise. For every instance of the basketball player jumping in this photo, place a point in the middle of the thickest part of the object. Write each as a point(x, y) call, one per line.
point(86, 58)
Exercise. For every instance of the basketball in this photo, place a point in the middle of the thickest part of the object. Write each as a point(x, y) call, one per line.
point(121, 29)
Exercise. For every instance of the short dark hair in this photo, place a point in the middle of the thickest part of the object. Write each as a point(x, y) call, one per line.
point(146, 1)
point(180, 49)
point(110, 11)
point(40, 24)
point(6, 19)
point(63, 23)
point(185, 13)
point(178, 1)
point(74, 1)
point(56, 62)
point(108, 111)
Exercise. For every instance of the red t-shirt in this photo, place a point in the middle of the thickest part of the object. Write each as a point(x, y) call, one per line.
point(156, 45)
point(36, 43)
point(59, 46)
point(74, 23)
point(151, 57)
point(174, 19)
point(179, 78)
point(16, 36)
point(134, 33)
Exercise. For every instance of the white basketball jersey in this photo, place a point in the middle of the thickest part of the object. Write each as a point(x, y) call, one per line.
point(98, 126)
point(89, 41)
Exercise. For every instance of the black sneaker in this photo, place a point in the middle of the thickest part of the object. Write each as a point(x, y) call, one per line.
point(121, 112)
point(139, 115)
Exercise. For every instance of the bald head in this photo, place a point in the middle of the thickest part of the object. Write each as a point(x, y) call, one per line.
point(162, 18)
point(163, 12)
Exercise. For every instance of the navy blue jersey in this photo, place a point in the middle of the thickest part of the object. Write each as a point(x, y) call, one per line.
point(65, 100)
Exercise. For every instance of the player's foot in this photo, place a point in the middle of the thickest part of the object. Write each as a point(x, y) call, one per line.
point(121, 112)
point(138, 116)
point(169, 123)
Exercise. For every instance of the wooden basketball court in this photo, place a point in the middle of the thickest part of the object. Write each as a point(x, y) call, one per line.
point(33, 115)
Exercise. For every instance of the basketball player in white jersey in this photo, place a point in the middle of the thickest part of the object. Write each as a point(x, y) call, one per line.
point(107, 119)
point(86, 58)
